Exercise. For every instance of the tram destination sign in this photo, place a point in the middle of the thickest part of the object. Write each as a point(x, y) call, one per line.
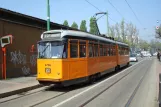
point(51, 35)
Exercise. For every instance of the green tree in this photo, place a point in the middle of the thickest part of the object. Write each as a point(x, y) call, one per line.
point(74, 25)
point(93, 26)
point(83, 26)
point(127, 42)
point(155, 45)
point(117, 28)
point(123, 30)
point(144, 45)
point(112, 31)
point(65, 23)
point(132, 33)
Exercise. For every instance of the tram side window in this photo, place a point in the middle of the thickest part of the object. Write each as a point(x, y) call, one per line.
point(127, 51)
point(120, 50)
point(65, 51)
point(108, 48)
point(91, 50)
point(74, 48)
point(105, 50)
point(101, 50)
point(111, 50)
point(114, 50)
point(96, 50)
point(82, 47)
point(124, 51)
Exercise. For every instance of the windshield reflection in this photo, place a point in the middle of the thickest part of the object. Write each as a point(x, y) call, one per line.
point(55, 49)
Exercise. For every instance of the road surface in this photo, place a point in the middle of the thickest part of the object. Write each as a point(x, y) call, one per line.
point(135, 86)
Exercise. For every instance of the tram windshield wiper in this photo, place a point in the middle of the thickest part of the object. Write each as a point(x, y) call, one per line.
point(42, 56)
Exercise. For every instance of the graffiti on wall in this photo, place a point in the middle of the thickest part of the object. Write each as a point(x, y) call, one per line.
point(33, 59)
point(18, 58)
point(26, 70)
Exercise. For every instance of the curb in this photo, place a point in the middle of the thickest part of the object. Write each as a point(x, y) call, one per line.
point(17, 91)
point(159, 90)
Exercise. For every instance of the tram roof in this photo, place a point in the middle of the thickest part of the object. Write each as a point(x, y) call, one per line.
point(66, 33)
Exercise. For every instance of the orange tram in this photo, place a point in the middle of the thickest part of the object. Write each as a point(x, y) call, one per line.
point(69, 57)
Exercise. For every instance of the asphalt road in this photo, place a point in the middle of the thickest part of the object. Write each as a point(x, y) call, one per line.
point(134, 86)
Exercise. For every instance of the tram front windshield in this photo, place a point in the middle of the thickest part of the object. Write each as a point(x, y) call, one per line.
point(51, 49)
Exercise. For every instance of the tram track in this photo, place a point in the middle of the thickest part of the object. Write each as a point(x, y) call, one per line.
point(70, 88)
point(23, 94)
point(59, 91)
point(94, 97)
point(43, 91)
point(137, 87)
point(40, 90)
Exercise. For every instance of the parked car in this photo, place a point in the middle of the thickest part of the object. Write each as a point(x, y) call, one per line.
point(138, 55)
point(133, 58)
point(149, 55)
point(155, 54)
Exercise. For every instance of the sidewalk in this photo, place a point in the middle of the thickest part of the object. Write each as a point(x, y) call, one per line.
point(17, 85)
point(158, 68)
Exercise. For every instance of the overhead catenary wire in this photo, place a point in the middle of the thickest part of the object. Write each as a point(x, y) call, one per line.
point(115, 8)
point(117, 11)
point(133, 12)
point(93, 5)
point(98, 9)
point(112, 19)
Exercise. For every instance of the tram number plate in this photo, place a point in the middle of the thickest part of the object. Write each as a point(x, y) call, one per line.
point(48, 70)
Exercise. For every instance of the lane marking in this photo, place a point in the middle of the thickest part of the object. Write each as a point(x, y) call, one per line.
point(95, 85)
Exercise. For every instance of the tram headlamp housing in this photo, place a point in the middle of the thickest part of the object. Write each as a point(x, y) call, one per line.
point(48, 70)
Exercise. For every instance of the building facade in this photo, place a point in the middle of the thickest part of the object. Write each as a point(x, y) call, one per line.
point(22, 53)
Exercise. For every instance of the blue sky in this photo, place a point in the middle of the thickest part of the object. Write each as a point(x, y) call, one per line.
point(147, 11)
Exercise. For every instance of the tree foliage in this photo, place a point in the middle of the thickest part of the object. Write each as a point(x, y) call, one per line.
point(65, 23)
point(155, 45)
point(93, 26)
point(112, 31)
point(144, 45)
point(132, 33)
point(122, 27)
point(83, 26)
point(74, 25)
point(125, 32)
point(117, 29)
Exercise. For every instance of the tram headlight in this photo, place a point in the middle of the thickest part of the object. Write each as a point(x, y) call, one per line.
point(48, 70)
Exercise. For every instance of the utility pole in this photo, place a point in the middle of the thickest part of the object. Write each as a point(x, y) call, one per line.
point(107, 24)
point(48, 15)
